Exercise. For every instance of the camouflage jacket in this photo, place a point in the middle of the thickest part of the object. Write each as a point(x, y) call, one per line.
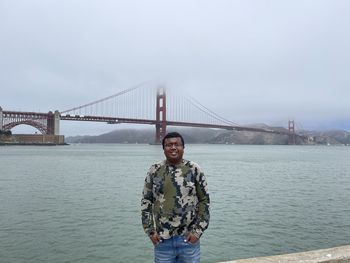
point(175, 200)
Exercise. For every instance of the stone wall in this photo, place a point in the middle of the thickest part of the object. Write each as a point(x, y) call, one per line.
point(38, 139)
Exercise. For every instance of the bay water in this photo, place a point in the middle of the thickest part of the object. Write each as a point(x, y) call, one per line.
point(81, 203)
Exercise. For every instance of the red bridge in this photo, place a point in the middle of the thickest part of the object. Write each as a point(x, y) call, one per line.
point(136, 105)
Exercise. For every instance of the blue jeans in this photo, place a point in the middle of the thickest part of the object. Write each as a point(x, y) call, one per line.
point(176, 250)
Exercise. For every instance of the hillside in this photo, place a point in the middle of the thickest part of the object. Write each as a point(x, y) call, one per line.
point(198, 135)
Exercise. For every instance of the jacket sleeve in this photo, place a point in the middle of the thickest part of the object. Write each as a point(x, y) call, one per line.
point(147, 205)
point(203, 215)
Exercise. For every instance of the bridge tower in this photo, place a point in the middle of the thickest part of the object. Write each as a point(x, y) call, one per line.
point(291, 132)
point(160, 115)
point(1, 118)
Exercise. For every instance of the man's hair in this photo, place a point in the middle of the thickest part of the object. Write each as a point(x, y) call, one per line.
point(173, 135)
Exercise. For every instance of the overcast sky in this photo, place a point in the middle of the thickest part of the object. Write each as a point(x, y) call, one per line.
point(249, 61)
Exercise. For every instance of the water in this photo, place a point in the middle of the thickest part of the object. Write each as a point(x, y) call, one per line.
point(80, 203)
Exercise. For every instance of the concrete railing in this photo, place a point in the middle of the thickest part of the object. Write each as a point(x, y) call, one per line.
point(329, 255)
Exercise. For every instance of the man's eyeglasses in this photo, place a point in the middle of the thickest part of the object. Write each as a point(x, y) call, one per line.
point(171, 145)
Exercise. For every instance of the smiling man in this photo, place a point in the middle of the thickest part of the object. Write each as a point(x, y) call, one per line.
point(175, 204)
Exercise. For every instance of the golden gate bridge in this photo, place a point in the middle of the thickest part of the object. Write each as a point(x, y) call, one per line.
point(137, 105)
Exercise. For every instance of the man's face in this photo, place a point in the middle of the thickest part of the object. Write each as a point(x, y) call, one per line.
point(173, 150)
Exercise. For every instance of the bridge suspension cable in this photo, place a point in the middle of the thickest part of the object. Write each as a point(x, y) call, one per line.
point(100, 101)
point(188, 109)
point(211, 113)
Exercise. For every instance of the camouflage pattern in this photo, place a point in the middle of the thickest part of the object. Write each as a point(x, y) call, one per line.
point(175, 200)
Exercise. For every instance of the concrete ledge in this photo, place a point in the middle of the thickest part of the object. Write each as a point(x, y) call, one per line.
point(329, 255)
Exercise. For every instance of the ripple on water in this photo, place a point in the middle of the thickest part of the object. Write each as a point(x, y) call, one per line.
point(265, 200)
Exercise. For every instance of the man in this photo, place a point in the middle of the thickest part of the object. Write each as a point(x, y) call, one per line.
point(175, 204)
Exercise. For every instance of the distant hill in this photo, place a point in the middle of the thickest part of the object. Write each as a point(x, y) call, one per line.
point(117, 136)
point(144, 136)
point(212, 136)
point(332, 137)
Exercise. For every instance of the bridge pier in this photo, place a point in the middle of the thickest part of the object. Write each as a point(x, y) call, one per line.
point(53, 123)
point(56, 130)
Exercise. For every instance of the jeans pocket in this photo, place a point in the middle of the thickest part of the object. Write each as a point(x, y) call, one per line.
point(189, 243)
point(159, 243)
point(194, 244)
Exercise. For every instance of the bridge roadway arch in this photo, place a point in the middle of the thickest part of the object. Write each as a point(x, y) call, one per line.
point(46, 123)
point(39, 126)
